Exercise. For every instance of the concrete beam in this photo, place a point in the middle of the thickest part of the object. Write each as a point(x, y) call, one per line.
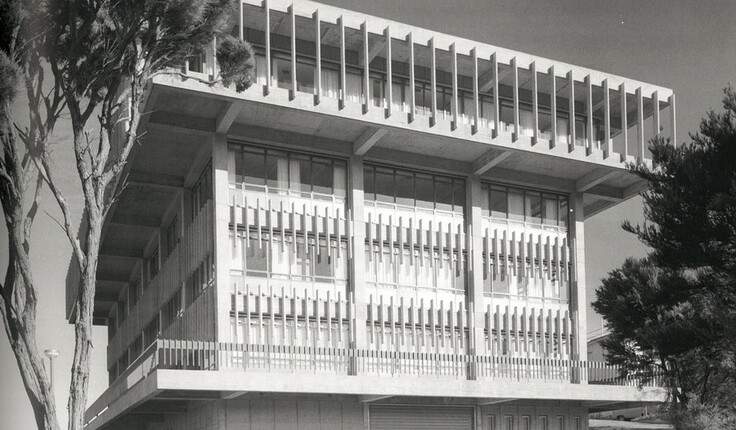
point(368, 399)
point(111, 298)
point(484, 402)
point(488, 79)
point(192, 125)
point(230, 395)
point(606, 193)
point(368, 139)
point(594, 178)
point(145, 221)
point(634, 189)
point(226, 117)
point(157, 180)
point(130, 254)
point(374, 49)
point(108, 277)
point(488, 160)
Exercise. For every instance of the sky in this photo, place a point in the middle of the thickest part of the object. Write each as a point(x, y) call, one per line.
point(686, 45)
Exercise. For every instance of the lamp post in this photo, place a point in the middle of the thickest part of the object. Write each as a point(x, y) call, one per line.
point(51, 354)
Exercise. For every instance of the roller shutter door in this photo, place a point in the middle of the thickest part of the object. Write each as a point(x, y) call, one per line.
point(420, 418)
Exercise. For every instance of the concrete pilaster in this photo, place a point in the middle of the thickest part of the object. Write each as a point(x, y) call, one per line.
point(474, 229)
point(357, 264)
point(222, 249)
point(578, 298)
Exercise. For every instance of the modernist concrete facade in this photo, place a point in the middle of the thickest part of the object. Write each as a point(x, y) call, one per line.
point(385, 231)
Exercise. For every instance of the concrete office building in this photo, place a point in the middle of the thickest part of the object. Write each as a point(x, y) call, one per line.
point(385, 231)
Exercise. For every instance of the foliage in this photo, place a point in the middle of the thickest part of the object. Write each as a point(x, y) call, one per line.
point(701, 416)
point(237, 62)
point(101, 55)
point(676, 309)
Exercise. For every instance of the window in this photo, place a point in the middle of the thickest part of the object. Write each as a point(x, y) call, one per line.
point(414, 189)
point(202, 190)
point(134, 292)
point(150, 333)
point(152, 264)
point(122, 311)
point(508, 422)
point(524, 205)
point(251, 167)
point(172, 235)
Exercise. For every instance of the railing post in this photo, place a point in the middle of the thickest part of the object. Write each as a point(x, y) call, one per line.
point(318, 57)
point(571, 112)
point(553, 107)
point(607, 146)
point(292, 35)
point(496, 108)
point(389, 73)
point(433, 80)
point(535, 104)
point(412, 82)
point(515, 96)
point(476, 115)
point(267, 30)
point(624, 121)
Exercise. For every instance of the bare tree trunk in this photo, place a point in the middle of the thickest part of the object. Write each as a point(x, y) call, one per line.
point(18, 294)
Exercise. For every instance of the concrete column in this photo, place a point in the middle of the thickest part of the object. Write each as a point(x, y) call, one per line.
point(655, 113)
point(389, 73)
point(571, 114)
point(474, 229)
point(433, 79)
point(673, 119)
point(454, 105)
point(553, 107)
point(318, 57)
point(578, 299)
point(267, 28)
point(292, 34)
point(535, 104)
point(476, 115)
point(639, 126)
point(496, 108)
point(221, 235)
point(589, 114)
point(515, 76)
point(624, 121)
point(412, 82)
point(341, 27)
point(607, 146)
point(357, 265)
point(240, 19)
point(366, 69)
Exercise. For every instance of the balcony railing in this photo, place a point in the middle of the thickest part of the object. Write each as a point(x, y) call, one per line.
point(183, 355)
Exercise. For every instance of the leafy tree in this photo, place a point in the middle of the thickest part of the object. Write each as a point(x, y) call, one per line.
point(677, 308)
point(101, 55)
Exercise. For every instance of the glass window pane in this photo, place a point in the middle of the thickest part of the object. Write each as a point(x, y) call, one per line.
point(550, 210)
point(276, 170)
point(424, 191)
point(369, 189)
point(251, 169)
point(339, 179)
point(322, 176)
point(485, 201)
point(564, 212)
point(516, 204)
point(458, 195)
point(384, 185)
point(499, 202)
point(305, 77)
point(404, 188)
point(299, 173)
point(443, 193)
point(533, 207)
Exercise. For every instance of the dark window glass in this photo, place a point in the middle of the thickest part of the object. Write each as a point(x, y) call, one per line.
point(424, 191)
point(340, 178)
point(300, 173)
point(550, 210)
point(443, 193)
point(499, 202)
point(369, 188)
point(458, 195)
point(564, 212)
point(272, 169)
point(516, 204)
point(533, 207)
point(322, 176)
point(253, 167)
point(404, 188)
point(384, 185)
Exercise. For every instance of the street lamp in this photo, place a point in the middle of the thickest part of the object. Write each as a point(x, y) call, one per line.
point(51, 354)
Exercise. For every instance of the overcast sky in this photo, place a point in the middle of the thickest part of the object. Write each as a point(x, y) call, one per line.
point(686, 45)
